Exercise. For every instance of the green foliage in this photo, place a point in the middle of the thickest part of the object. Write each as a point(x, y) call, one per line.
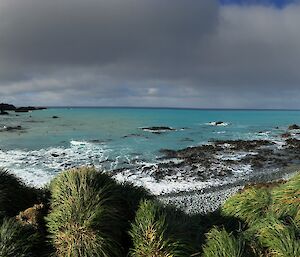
point(15, 196)
point(149, 235)
point(286, 199)
point(17, 240)
point(84, 220)
point(220, 243)
point(90, 215)
point(282, 240)
point(249, 205)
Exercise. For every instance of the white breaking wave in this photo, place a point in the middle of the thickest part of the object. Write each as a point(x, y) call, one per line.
point(38, 167)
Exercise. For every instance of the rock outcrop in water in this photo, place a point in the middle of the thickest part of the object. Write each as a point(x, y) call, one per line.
point(11, 128)
point(29, 108)
point(294, 126)
point(9, 107)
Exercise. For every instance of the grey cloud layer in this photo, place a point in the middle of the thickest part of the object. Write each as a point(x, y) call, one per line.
point(141, 52)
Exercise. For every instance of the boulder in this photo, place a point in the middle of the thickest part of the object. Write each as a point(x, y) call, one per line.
point(294, 126)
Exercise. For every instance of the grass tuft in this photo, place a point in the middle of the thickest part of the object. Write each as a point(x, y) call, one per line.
point(282, 240)
point(17, 240)
point(149, 235)
point(220, 243)
point(286, 199)
point(249, 205)
point(84, 220)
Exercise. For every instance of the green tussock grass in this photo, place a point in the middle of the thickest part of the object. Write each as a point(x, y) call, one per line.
point(149, 235)
point(286, 199)
point(15, 196)
point(249, 205)
point(281, 240)
point(220, 243)
point(84, 219)
point(17, 240)
point(89, 214)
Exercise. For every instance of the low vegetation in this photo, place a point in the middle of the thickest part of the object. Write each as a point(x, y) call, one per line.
point(86, 213)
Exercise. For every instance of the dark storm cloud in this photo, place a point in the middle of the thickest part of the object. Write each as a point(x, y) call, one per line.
point(101, 32)
point(149, 52)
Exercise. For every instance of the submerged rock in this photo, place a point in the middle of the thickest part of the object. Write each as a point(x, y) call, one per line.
point(11, 128)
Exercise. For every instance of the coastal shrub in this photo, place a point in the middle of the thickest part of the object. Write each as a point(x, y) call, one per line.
point(17, 240)
point(15, 196)
point(249, 205)
point(286, 199)
point(148, 233)
point(84, 219)
point(282, 240)
point(220, 243)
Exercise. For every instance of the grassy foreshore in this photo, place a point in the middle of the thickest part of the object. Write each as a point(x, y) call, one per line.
point(85, 213)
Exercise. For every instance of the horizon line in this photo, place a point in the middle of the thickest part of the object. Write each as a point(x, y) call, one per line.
point(178, 108)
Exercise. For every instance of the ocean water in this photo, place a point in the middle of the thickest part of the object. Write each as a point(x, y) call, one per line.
point(114, 138)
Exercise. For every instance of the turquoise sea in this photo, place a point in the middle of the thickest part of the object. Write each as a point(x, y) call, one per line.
point(114, 138)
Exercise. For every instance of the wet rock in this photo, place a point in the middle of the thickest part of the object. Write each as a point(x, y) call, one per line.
point(55, 155)
point(293, 142)
point(157, 130)
point(286, 135)
point(55, 117)
point(4, 113)
point(11, 128)
point(294, 126)
point(218, 123)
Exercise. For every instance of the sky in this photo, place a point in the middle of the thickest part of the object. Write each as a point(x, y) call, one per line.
point(154, 53)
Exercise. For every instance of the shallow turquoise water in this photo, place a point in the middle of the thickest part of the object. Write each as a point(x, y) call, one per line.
point(94, 135)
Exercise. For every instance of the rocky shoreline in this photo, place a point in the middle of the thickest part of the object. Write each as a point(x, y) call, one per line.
point(4, 108)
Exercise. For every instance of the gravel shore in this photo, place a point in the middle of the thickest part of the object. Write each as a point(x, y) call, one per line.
point(210, 199)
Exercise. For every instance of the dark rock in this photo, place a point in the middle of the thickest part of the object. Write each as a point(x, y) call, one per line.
point(293, 142)
point(3, 113)
point(7, 107)
point(294, 126)
point(286, 135)
point(29, 108)
point(55, 155)
point(12, 128)
point(158, 129)
point(55, 117)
